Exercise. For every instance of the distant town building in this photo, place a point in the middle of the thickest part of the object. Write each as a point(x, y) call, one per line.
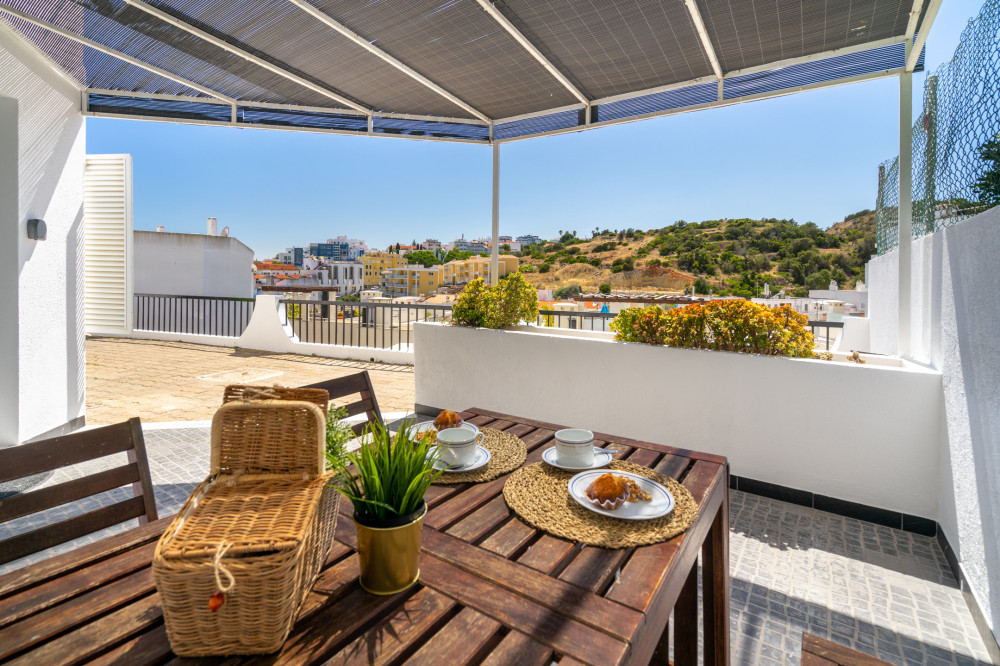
point(463, 245)
point(431, 245)
point(376, 263)
point(411, 280)
point(528, 240)
point(461, 271)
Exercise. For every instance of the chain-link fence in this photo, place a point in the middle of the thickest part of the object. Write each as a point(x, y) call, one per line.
point(954, 175)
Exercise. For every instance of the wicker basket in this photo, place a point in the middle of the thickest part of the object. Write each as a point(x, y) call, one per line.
point(257, 530)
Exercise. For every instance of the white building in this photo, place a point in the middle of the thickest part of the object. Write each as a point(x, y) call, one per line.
point(192, 265)
point(463, 245)
point(347, 276)
point(431, 245)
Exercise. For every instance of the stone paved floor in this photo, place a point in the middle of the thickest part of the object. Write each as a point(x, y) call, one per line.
point(794, 569)
point(178, 381)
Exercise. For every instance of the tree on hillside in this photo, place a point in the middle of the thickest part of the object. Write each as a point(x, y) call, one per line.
point(505, 248)
point(988, 185)
point(423, 257)
point(568, 292)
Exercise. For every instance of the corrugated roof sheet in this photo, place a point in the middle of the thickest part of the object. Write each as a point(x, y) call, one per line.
point(627, 50)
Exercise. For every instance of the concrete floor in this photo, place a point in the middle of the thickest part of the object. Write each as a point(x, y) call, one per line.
point(178, 381)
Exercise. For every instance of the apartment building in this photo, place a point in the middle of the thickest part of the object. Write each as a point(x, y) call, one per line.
point(412, 280)
point(376, 263)
point(465, 270)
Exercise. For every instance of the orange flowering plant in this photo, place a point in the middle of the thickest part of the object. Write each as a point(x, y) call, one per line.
point(724, 325)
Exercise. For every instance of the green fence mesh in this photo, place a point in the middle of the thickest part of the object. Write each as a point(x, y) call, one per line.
point(954, 176)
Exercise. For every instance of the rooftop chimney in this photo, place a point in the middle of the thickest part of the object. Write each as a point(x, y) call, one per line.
point(160, 228)
point(213, 224)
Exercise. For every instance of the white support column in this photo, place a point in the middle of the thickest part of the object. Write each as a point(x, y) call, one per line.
point(495, 248)
point(905, 205)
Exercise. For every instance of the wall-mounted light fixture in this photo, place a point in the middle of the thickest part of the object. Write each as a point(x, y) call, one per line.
point(36, 229)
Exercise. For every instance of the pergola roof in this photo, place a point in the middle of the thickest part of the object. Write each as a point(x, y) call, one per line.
point(469, 70)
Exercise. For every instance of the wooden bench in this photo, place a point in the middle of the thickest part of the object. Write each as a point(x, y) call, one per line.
point(359, 384)
point(26, 460)
point(818, 651)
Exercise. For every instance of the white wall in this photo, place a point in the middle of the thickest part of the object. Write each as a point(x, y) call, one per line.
point(192, 265)
point(956, 316)
point(44, 283)
point(862, 433)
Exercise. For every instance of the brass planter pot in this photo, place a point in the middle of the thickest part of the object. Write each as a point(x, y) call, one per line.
point(389, 557)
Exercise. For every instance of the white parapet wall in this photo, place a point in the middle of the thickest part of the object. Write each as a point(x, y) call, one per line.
point(863, 433)
point(955, 316)
point(269, 330)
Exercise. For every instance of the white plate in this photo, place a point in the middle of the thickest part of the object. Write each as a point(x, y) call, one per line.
point(424, 426)
point(601, 459)
point(661, 504)
point(482, 457)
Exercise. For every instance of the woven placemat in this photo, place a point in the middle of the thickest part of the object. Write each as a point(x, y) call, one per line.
point(539, 494)
point(507, 453)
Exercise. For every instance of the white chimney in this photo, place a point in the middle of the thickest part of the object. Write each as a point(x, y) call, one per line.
point(213, 224)
point(160, 228)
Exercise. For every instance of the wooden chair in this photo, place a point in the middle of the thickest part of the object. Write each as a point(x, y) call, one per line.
point(28, 459)
point(342, 387)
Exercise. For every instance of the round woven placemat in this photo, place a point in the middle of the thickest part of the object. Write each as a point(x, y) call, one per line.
point(539, 494)
point(507, 453)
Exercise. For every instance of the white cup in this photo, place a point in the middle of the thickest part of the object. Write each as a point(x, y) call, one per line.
point(575, 447)
point(458, 446)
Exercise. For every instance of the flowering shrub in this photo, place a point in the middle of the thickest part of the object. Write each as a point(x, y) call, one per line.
point(503, 305)
point(647, 325)
point(731, 325)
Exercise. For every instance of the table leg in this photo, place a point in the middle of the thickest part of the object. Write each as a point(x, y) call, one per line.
point(686, 621)
point(715, 586)
point(662, 653)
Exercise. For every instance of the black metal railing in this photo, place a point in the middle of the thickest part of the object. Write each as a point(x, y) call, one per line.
point(827, 325)
point(199, 315)
point(356, 324)
point(583, 321)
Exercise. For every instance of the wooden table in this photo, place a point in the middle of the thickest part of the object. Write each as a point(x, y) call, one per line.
point(491, 588)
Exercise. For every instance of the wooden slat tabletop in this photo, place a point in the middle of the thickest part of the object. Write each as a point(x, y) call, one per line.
point(492, 589)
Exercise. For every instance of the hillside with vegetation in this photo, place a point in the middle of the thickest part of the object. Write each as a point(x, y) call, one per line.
point(728, 257)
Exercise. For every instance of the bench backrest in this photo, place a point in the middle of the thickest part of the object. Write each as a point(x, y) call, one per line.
point(26, 460)
point(359, 384)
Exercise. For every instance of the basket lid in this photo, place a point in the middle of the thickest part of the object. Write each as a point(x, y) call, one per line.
point(268, 436)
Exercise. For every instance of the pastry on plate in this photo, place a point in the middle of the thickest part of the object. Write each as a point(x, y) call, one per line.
point(448, 419)
point(610, 491)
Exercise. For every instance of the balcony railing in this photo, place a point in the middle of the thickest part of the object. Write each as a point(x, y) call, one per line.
point(353, 324)
point(584, 321)
point(198, 315)
point(826, 326)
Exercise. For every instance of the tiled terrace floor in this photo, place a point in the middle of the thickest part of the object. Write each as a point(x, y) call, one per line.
point(879, 590)
point(178, 381)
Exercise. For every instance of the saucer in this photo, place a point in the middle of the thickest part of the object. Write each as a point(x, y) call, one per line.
point(601, 459)
point(482, 457)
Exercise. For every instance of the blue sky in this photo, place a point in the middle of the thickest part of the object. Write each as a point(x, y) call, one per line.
point(811, 156)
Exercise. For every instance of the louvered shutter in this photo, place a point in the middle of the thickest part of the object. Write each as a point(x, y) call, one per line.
point(107, 212)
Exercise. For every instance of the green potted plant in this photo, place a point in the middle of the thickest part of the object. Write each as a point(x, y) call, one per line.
point(386, 479)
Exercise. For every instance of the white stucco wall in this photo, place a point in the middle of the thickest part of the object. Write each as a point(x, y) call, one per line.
point(192, 265)
point(956, 315)
point(868, 434)
point(45, 289)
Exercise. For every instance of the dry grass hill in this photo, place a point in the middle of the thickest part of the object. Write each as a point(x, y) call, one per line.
point(727, 256)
